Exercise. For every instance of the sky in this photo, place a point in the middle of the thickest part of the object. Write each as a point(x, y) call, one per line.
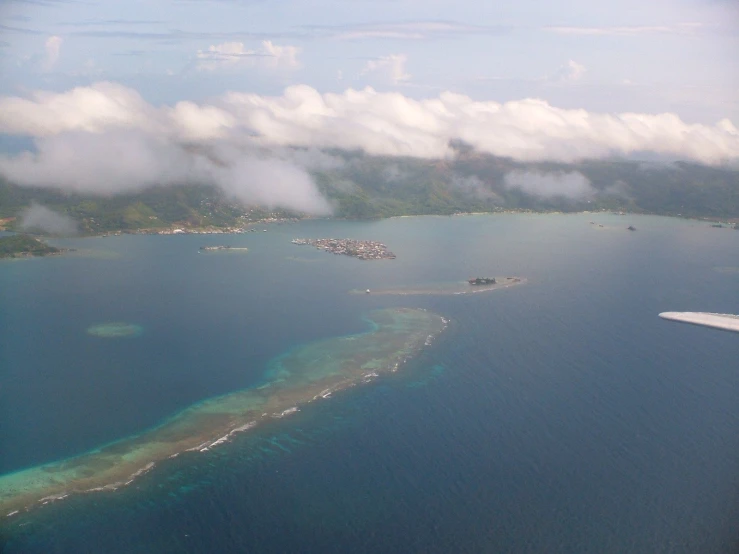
point(608, 56)
point(528, 79)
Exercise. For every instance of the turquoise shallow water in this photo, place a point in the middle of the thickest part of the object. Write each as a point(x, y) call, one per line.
point(558, 416)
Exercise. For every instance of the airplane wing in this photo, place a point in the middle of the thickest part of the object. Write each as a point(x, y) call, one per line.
point(726, 322)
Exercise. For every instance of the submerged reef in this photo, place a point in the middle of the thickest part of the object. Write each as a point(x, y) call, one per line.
point(300, 376)
point(115, 330)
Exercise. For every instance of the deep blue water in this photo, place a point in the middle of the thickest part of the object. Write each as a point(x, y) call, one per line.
point(560, 416)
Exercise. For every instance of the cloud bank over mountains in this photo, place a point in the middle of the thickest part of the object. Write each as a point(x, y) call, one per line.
point(106, 138)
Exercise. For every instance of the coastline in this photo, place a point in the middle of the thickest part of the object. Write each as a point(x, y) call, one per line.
point(728, 223)
point(309, 373)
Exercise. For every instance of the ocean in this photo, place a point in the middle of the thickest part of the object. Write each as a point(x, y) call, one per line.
point(561, 415)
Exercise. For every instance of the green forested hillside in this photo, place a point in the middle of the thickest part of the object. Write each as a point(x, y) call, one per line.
point(392, 186)
point(157, 207)
point(362, 187)
point(16, 246)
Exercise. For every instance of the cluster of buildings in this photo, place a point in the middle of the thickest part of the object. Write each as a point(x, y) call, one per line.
point(179, 231)
point(482, 281)
point(247, 227)
point(201, 231)
point(362, 249)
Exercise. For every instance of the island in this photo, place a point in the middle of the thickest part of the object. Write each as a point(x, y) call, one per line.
point(293, 380)
point(470, 286)
point(222, 248)
point(477, 281)
point(115, 330)
point(26, 246)
point(725, 322)
point(362, 249)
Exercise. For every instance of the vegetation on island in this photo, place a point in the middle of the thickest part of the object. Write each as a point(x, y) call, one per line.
point(361, 186)
point(23, 246)
point(153, 208)
point(374, 187)
point(482, 281)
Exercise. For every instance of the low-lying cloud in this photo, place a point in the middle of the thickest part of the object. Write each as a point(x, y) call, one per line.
point(473, 185)
point(572, 185)
point(127, 161)
point(106, 138)
point(40, 218)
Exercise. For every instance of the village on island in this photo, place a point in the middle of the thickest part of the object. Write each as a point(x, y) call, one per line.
point(362, 249)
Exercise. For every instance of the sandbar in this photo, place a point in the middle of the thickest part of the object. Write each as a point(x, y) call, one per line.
point(458, 287)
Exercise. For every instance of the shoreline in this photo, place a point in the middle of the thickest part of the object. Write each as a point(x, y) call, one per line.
point(727, 221)
point(249, 228)
point(311, 372)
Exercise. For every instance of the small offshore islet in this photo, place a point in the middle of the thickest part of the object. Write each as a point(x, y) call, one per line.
point(361, 249)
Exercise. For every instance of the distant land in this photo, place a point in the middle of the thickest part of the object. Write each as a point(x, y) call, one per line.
point(369, 187)
point(25, 246)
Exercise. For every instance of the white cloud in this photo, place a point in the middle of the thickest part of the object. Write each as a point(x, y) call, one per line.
point(224, 55)
point(569, 73)
point(235, 55)
point(281, 56)
point(53, 47)
point(572, 185)
point(122, 161)
point(390, 67)
point(37, 217)
point(378, 123)
point(96, 108)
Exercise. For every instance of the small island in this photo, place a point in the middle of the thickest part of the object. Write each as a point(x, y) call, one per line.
point(26, 246)
point(362, 249)
point(222, 248)
point(470, 286)
point(477, 281)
